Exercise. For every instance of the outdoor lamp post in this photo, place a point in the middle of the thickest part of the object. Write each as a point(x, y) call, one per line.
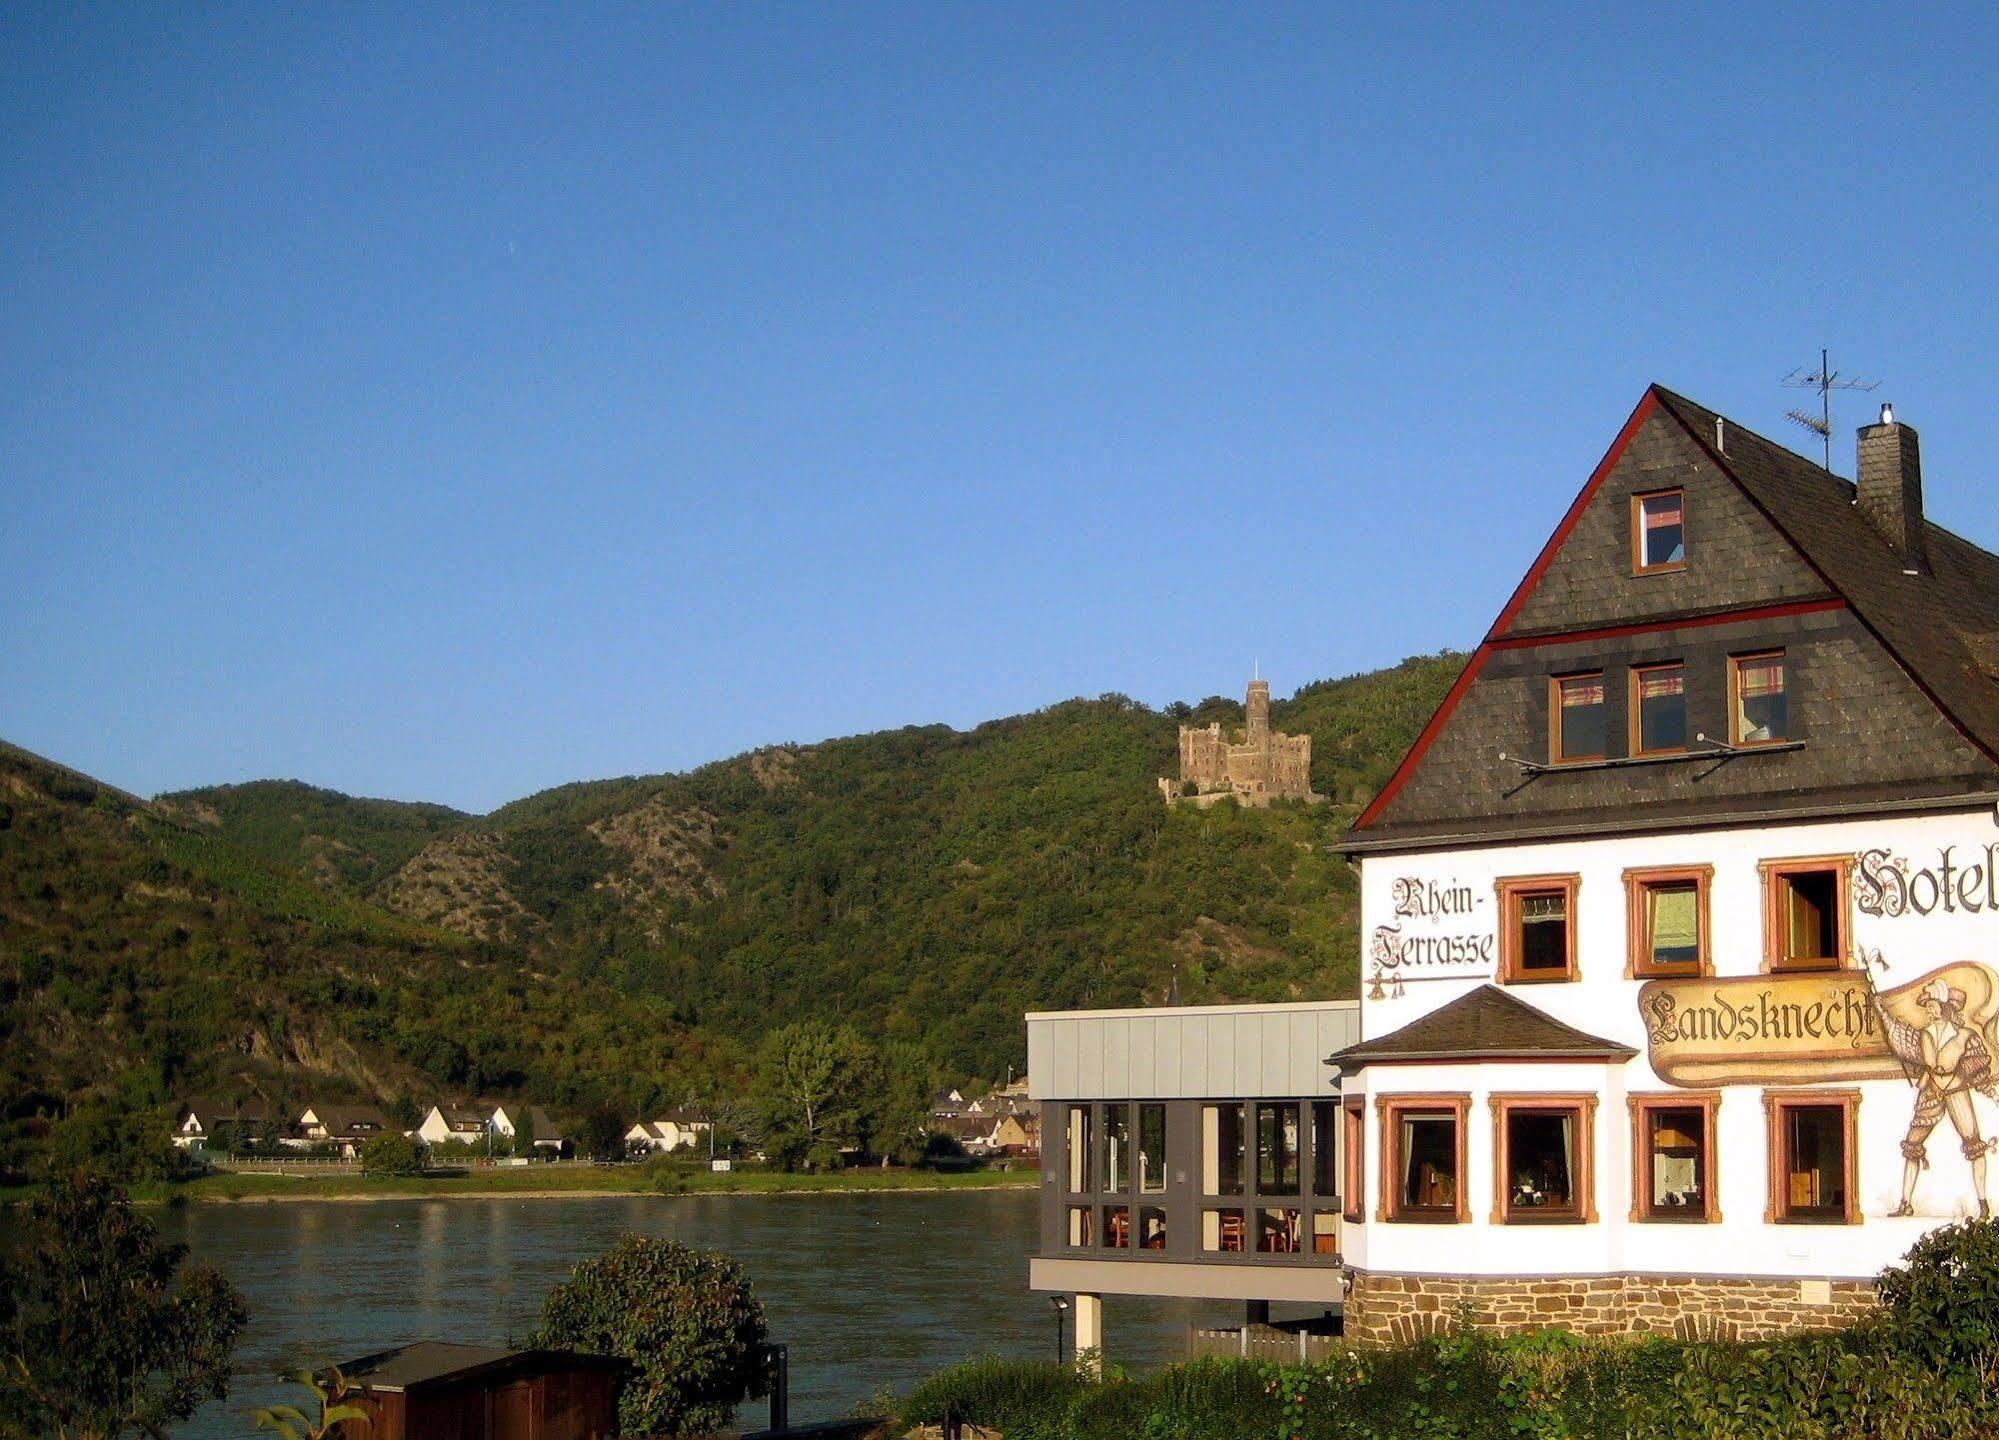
point(1060, 1305)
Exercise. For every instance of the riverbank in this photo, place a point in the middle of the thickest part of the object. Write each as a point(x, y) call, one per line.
point(550, 1182)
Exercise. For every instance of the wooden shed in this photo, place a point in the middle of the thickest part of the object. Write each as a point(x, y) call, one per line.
point(436, 1390)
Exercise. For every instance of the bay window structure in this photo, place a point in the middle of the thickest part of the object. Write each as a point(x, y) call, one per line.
point(1542, 1147)
point(1423, 1158)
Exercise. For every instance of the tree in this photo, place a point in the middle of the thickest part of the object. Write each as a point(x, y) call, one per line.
point(811, 1078)
point(686, 1319)
point(392, 1153)
point(330, 1391)
point(896, 1104)
point(105, 1332)
point(603, 1134)
point(124, 1144)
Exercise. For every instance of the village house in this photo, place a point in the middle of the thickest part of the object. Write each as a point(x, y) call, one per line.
point(1678, 926)
point(677, 1129)
point(345, 1128)
point(198, 1123)
point(470, 1124)
point(510, 1115)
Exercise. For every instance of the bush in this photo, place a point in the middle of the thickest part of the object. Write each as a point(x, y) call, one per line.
point(687, 1320)
point(392, 1153)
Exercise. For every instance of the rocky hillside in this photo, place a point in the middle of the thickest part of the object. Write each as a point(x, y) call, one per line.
point(628, 939)
point(929, 882)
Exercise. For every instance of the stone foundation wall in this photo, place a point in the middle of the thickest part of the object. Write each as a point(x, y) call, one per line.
point(1395, 1309)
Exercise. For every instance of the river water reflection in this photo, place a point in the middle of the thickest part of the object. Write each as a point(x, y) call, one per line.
point(870, 1291)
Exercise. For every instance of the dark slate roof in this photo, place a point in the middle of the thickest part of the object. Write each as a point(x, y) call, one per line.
point(1487, 1024)
point(1943, 626)
point(429, 1361)
point(425, 1360)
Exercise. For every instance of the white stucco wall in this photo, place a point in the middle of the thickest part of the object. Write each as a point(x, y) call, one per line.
point(1604, 1003)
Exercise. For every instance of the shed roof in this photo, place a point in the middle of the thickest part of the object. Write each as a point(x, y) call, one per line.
point(1484, 1024)
point(427, 1362)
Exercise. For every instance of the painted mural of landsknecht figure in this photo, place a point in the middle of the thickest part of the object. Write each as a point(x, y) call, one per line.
point(1949, 1058)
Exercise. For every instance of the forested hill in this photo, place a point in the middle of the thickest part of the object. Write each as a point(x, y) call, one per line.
point(924, 883)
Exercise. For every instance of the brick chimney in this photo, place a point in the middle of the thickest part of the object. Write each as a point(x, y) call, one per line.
point(1891, 487)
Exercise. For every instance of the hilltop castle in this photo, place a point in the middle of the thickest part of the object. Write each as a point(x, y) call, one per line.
point(1263, 766)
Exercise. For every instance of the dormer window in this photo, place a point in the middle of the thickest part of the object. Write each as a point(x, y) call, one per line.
point(1658, 709)
point(1659, 532)
point(1578, 731)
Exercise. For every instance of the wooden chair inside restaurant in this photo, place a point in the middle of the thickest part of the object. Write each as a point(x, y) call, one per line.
point(1117, 1229)
point(1232, 1231)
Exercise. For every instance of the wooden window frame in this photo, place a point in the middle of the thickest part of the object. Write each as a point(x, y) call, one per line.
point(1390, 1109)
point(1776, 1103)
point(1735, 664)
point(1635, 719)
point(1668, 567)
point(1582, 1207)
point(1353, 1164)
point(1775, 926)
point(1708, 1102)
point(1638, 964)
point(1555, 754)
point(1508, 892)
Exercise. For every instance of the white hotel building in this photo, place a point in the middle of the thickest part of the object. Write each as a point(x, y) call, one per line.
point(1678, 926)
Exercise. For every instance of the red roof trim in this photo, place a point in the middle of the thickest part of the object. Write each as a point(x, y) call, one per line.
point(1646, 406)
point(1719, 617)
point(1867, 624)
point(1423, 741)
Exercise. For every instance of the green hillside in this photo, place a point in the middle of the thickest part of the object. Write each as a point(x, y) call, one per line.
point(627, 939)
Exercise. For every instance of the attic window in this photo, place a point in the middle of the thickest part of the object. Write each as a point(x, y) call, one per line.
point(1659, 532)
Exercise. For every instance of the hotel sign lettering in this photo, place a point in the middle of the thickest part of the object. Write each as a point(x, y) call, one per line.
point(1887, 885)
point(1776, 1028)
point(1440, 927)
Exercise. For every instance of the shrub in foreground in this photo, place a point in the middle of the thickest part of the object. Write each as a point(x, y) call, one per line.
point(687, 1321)
point(1924, 1367)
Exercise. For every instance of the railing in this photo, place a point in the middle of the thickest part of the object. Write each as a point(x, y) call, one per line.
point(1291, 1345)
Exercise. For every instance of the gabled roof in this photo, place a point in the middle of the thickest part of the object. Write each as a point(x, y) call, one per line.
point(1943, 626)
point(1486, 1024)
point(347, 1119)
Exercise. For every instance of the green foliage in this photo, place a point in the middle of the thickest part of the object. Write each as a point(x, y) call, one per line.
point(117, 1137)
point(1943, 1300)
point(392, 1153)
point(924, 886)
point(104, 1330)
point(331, 1407)
point(1891, 1378)
point(686, 1319)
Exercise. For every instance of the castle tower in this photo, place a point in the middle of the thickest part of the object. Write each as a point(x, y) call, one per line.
point(1256, 709)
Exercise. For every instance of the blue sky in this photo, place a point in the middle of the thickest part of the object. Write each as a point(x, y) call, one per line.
point(445, 403)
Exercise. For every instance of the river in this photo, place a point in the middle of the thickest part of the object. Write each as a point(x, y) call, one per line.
point(870, 1291)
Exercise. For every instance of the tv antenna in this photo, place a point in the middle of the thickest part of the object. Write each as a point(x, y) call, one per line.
point(1825, 380)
